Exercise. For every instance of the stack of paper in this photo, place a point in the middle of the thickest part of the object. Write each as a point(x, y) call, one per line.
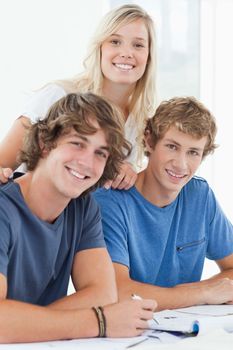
point(195, 319)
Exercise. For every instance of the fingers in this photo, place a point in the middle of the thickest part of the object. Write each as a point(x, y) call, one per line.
point(127, 182)
point(149, 304)
point(126, 178)
point(142, 325)
point(129, 317)
point(122, 182)
point(108, 184)
point(146, 314)
point(5, 173)
point(118, 180)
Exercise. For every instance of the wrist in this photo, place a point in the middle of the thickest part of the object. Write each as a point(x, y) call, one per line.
point(99, 313)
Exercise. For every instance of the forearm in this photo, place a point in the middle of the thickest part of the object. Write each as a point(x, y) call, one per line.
point(21, 322)
point(94, 295)
point(93, 277)
point(11, 145)
point(228, 273)
point(167, 298)
point(211, 291)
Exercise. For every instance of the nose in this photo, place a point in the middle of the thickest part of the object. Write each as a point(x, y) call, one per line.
point(126, 52)
point(86, 160)
point(180, 162)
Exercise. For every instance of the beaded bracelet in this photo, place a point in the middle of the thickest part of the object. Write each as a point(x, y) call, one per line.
point(101, 320)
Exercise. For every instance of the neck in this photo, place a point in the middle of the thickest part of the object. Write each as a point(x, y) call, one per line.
point(152, 192)
point(119, 94)
point(41, 200)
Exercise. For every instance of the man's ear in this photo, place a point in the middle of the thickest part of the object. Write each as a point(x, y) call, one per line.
point(44, 150)
point(148, 143)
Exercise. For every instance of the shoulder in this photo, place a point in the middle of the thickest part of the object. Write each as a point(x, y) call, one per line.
point(41, 100)
point(107, 197)
point(10, 201)
point(51, 92)
point(7, 190)
point(197, 184)
point(197, 192)
point(52, 89)
point(86, 207)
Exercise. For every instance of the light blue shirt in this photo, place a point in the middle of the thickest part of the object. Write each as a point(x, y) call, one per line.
point(165, 246)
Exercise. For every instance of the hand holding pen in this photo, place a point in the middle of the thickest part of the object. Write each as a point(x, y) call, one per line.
point(137, 297)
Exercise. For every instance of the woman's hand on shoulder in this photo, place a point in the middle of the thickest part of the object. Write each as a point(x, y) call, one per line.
point(5, 173)
point(125, 179)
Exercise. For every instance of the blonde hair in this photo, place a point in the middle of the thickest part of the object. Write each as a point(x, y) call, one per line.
point(143, 99)
point(189, 116)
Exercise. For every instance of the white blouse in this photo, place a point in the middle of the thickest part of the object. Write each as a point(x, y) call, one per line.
point(41, 100)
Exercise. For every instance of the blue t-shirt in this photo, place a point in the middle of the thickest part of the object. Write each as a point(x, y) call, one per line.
point(37, 257)
point(165, 246)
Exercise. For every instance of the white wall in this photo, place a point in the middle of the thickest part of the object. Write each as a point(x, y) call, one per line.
point(41, 40)
point(216, 92)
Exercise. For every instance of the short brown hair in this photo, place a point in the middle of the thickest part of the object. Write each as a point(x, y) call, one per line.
point(77, 111)
point(189, 116)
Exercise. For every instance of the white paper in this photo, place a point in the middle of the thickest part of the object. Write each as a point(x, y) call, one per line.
point(208, 310)
point(200, 319)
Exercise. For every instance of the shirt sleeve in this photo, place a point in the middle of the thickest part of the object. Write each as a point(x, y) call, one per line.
point(114, 226)
point(92, 232)
point(220, 243)
point(41, 100)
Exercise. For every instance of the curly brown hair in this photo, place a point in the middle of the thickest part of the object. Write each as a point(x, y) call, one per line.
point(189, 116)
point(77, 111)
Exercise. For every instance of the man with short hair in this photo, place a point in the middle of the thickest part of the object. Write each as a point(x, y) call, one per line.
point(159, 232)
point(51, 230)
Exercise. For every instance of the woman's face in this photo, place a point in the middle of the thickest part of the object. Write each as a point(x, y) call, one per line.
point(124, 54)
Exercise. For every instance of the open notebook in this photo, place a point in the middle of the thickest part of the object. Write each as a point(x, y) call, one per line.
point(194, 319)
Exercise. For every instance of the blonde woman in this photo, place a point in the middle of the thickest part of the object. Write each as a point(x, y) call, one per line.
point(120, 66)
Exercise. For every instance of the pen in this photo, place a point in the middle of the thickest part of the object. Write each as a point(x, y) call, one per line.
point(137, 297)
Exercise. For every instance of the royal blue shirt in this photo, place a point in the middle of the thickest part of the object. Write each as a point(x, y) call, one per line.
point(165, 246)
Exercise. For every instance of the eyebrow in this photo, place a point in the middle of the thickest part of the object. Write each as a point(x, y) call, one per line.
point(176, 143)
point(85, 139)
point(137, 38)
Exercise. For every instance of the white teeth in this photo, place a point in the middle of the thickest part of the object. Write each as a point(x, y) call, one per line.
point(76, 174)
point(123, 66)
point(175, 175)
